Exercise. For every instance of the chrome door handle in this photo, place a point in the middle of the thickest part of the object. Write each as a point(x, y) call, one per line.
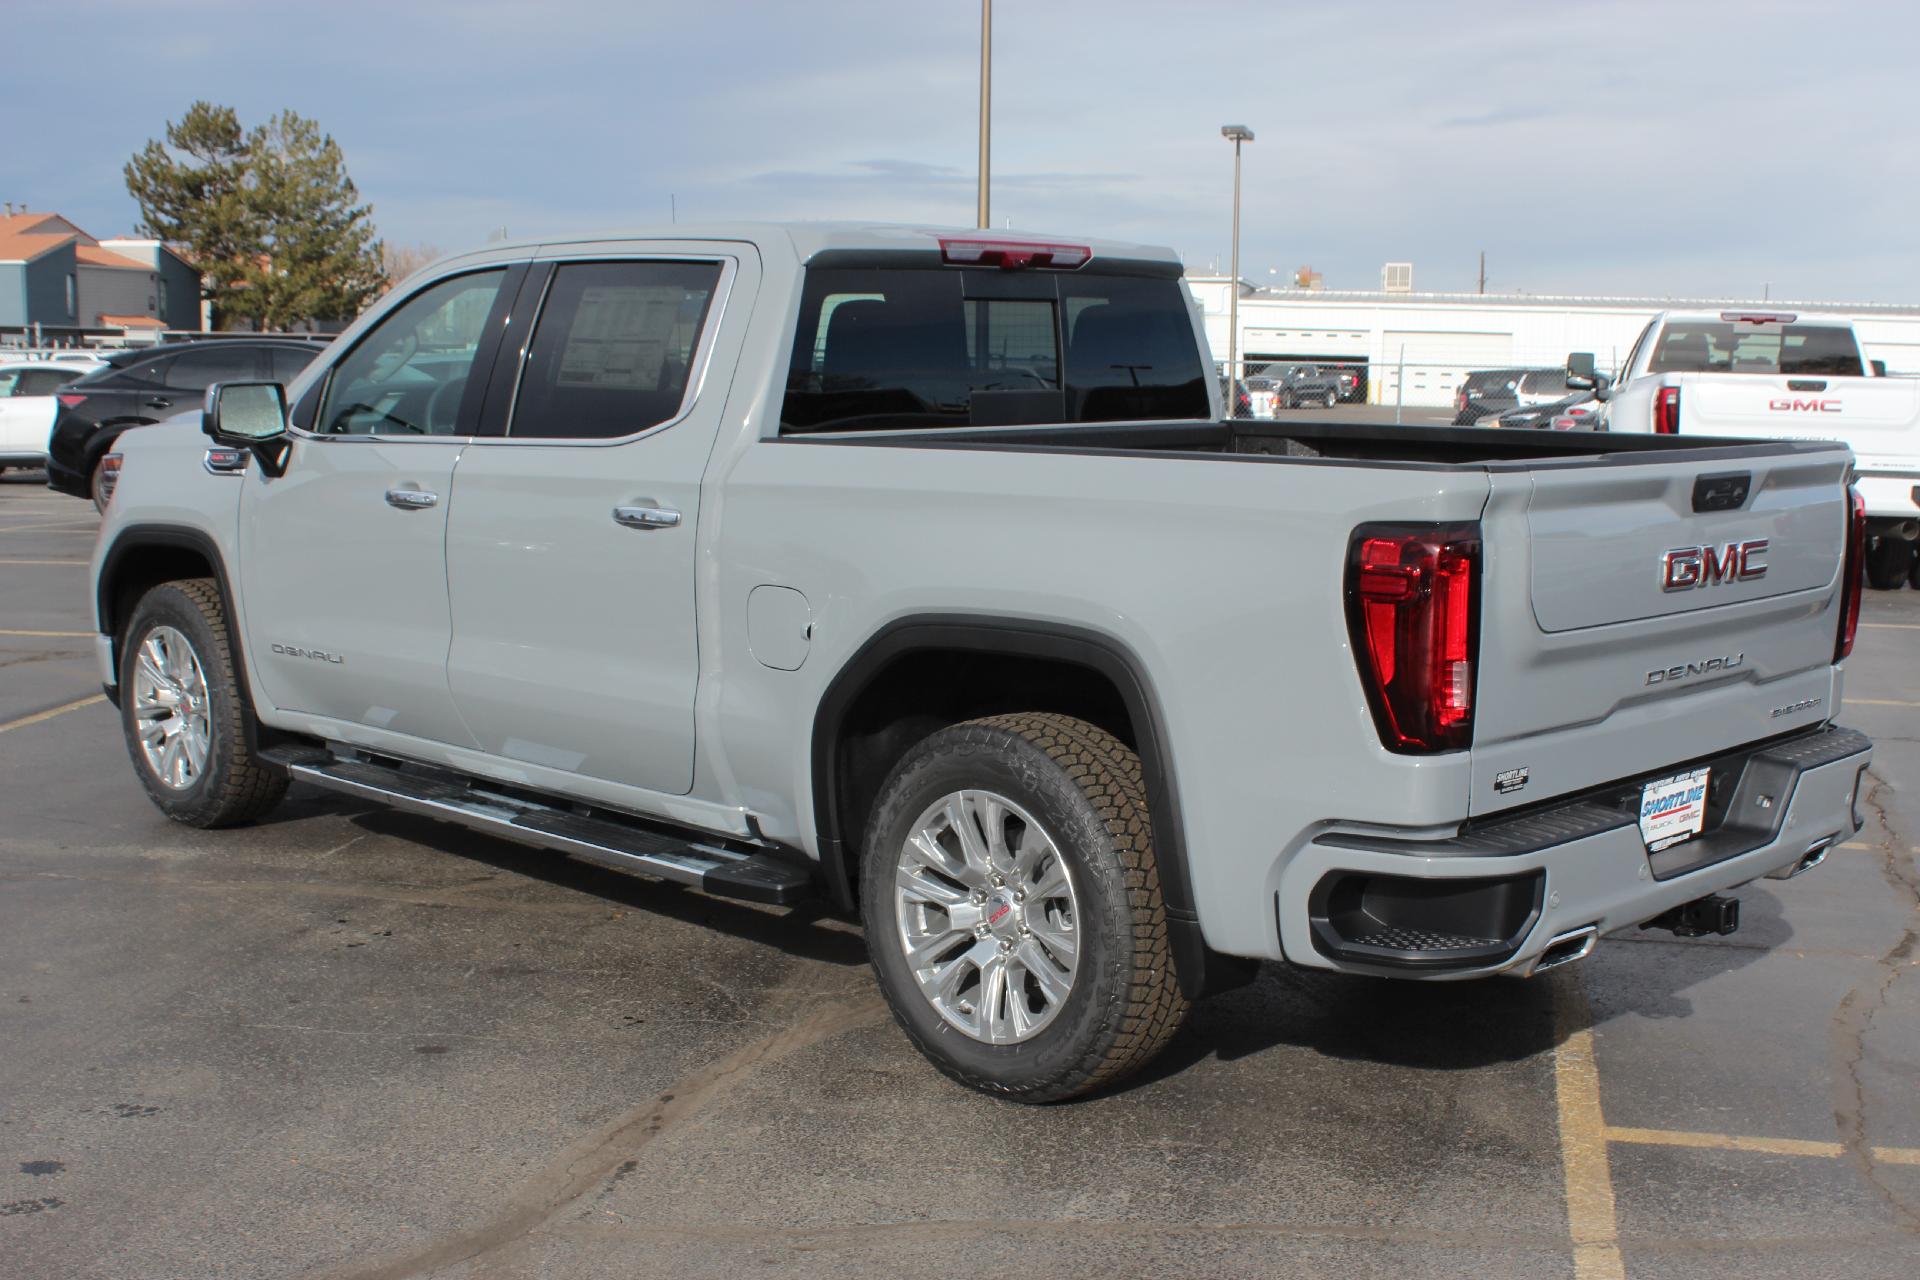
point(411, 499)
point(646, 517)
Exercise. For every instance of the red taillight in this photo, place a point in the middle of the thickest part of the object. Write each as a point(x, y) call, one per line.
point(1459, 401)
point(109, 477)
point(1666, 411)
point(70, 399)
point(1853, 570)
point(1413, 611)
point(1013, 255)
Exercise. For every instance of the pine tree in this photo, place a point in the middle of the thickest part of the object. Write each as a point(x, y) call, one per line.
point(270, 217)
point(198, 205)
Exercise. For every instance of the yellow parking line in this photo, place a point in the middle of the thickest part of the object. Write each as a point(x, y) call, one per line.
point(1591, 1219)
point(1878, 702)
point(1741, 1142)
point(57, 635)
point(42, 561)
point(51, 712)
point(1893, 626)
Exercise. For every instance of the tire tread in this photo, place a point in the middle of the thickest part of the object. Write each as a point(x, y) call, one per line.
point(1150, 1009)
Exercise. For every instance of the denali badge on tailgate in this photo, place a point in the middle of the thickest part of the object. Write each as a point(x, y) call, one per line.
point(1684, 568)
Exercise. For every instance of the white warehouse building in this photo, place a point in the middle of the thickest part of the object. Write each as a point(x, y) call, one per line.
point(1429, 341)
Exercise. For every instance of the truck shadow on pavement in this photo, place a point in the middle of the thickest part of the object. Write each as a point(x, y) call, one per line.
point(1445, 1026)
point(1459, 1026)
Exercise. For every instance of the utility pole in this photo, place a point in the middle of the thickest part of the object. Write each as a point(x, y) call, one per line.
point(1238, 133)
point(1483, 271)
point(986, 107)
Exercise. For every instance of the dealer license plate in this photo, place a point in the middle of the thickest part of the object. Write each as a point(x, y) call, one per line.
point(1673, 809)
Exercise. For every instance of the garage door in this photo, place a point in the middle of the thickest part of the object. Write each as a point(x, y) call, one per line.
point(1433, 363)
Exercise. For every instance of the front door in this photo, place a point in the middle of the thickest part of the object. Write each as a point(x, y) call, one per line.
point(343, 558)
point(571, 551)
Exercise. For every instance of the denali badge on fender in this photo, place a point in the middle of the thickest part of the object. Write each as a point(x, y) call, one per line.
point(1686, 567)
point(298, 651)
point(1701, 668)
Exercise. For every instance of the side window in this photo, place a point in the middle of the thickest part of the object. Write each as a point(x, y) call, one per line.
point(286, 363)
point(407, 376)
point(220, 362)
point(44, 382)
point(147, 373)
point(612, 349)
point(10, 382)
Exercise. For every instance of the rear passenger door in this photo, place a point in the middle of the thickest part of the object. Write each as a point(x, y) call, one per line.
point(571, 541)
point(192, 372)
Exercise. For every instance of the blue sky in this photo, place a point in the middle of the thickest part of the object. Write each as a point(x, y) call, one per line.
point(1680, 148)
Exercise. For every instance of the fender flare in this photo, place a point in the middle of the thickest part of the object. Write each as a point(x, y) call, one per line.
point(135, 537)
point(1019, 637)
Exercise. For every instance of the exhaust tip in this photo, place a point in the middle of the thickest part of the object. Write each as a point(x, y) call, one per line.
point(1815, 855)
point(1574, 945)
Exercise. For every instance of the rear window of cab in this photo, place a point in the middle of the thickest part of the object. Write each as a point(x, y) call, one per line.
point(903, 347)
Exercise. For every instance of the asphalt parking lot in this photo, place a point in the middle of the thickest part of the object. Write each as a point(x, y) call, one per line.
point(351, 1044)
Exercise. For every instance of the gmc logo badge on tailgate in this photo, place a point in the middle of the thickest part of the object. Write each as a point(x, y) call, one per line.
point(1684, 568)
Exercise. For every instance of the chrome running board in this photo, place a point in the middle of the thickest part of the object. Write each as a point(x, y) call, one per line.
point(609, 840)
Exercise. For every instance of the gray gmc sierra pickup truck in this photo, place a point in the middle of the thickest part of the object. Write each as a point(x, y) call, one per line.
point(917, 570)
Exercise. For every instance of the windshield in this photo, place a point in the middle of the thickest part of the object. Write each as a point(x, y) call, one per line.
point(1691, 346)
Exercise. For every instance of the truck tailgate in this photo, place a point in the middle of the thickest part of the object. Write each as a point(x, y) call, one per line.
point(1876, 416)
point(1623, 630)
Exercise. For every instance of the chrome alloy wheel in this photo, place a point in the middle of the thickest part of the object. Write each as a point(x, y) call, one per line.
point(988, 920)
point(170, 708)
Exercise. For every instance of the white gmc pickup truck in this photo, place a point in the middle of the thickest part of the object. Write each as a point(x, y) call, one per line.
point(1772, 375)
point(917, 570)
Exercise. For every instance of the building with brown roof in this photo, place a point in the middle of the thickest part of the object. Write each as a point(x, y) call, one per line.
point(56, 276)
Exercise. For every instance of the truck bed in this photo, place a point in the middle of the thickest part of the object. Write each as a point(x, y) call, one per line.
point(1384, 444)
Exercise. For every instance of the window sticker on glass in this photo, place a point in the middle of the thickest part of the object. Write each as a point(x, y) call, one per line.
point(620, 337)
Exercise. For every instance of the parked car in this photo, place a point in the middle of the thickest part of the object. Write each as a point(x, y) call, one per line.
point(27, 409)
point(1781, 375)
point(1488, 393)
point(140, 386)
point(759, 577)
point(1577, 412)
point(1263, 397)
point(1304, 384)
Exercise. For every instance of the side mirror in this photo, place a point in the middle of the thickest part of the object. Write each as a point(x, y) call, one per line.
point(1879, 368)
point(1580, 371)
point(249, 415)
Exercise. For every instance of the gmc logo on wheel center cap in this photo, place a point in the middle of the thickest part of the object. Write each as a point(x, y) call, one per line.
point(1684, 568)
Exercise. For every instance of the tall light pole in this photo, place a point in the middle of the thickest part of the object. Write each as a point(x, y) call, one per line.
point(986, 100)
point(1238, 133)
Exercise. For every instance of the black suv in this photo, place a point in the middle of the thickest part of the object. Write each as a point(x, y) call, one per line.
point(140, 387)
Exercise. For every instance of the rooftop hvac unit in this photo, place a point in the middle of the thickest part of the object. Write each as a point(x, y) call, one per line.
point(1397, 277)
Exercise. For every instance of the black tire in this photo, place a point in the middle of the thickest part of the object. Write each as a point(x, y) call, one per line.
point(1913, 578)
point(1889, 561)
point(1331, 397)
point(234, 787)
point(1086, 790)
